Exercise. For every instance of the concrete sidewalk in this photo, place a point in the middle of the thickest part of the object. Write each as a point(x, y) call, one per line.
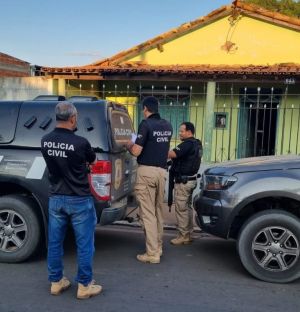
point(170, 222)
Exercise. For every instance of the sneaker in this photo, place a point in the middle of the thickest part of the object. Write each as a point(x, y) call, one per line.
point(85, 292)
point(58, 287)
point(181, 240)
point(148, 259)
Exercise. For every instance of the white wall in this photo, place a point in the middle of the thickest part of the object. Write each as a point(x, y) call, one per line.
point(24, 88)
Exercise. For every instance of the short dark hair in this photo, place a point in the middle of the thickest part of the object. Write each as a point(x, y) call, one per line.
point(189, 126)
point(151, 103)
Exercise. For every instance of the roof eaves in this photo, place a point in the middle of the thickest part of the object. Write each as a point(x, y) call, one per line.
point(125, 68)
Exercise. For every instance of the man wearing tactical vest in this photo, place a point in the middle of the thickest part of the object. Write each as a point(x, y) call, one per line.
point(151, 149)
point(186, 159)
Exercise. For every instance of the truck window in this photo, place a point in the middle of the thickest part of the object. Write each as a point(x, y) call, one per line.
point(9, 112)
point(39, 116)
point(121, 127)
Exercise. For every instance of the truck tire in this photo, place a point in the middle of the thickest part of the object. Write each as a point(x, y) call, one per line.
point(269, 246)
point(20, 230)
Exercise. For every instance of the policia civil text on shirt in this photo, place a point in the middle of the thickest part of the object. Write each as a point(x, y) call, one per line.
point(186, 159)
point(151, 148)
point(70, 201)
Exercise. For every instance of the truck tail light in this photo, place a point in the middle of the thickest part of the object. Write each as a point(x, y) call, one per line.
point(100, 180)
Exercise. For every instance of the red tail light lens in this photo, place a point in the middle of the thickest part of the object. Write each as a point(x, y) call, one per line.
point(100, 180)
point(101, 167)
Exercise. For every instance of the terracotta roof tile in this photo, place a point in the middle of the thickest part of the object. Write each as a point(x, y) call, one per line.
point(8, 59)
point(182, 69)
point(13, 67)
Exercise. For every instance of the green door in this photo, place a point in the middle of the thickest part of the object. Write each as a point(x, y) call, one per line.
point(175, 111)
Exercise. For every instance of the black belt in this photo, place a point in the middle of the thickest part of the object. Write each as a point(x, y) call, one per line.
point(191, 178)
point(184, 179)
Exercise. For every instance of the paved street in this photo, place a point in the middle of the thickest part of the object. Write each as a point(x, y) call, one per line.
point(204, 276)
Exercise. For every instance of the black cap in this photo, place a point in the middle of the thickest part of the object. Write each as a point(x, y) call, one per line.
point(151, 103)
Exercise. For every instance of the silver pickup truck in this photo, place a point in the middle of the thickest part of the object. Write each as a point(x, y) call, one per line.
point(257, 202)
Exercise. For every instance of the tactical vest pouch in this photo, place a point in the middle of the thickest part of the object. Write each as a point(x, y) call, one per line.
point(198, 151)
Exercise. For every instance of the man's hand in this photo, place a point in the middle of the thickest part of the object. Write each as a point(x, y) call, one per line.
point(172, 154)
point(133, 149)
point(129, 145)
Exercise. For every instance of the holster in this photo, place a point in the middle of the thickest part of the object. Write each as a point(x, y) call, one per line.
point(181, 179)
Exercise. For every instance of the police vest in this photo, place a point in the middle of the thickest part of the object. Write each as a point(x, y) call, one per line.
point(190, 163)
point(155, 149)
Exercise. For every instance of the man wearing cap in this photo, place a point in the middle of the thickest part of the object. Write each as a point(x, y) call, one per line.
point(151, 149)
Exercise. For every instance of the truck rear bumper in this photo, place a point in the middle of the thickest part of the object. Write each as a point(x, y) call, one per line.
point(109, 214)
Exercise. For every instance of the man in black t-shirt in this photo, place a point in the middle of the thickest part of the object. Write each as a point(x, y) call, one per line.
point(151, 148)
point(186, 159)
point(70, 201)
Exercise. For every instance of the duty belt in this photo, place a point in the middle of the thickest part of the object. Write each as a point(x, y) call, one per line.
point(184, 178)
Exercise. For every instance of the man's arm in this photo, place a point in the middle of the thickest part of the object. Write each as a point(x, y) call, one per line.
point(172, 154)
point(90, 154)
point(134, 149)
point(180, 150)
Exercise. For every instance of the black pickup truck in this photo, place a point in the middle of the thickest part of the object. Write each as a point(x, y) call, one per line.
point(23, 174)
point(257, 202)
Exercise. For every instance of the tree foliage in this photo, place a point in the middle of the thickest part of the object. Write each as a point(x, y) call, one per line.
point(287, 7)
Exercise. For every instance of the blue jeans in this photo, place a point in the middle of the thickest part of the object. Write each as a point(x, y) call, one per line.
point(80, 211)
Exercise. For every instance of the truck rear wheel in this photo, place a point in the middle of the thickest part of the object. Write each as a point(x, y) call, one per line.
point(269, 246)
point(20, 231)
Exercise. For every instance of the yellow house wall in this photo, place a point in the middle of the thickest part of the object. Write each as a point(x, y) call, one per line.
point(289, 110)
point(197, 115)
point(130, 103)
point(221, 149)
point(288, 129)
point(225, 142)
point(256, 42)
point(78, 87)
